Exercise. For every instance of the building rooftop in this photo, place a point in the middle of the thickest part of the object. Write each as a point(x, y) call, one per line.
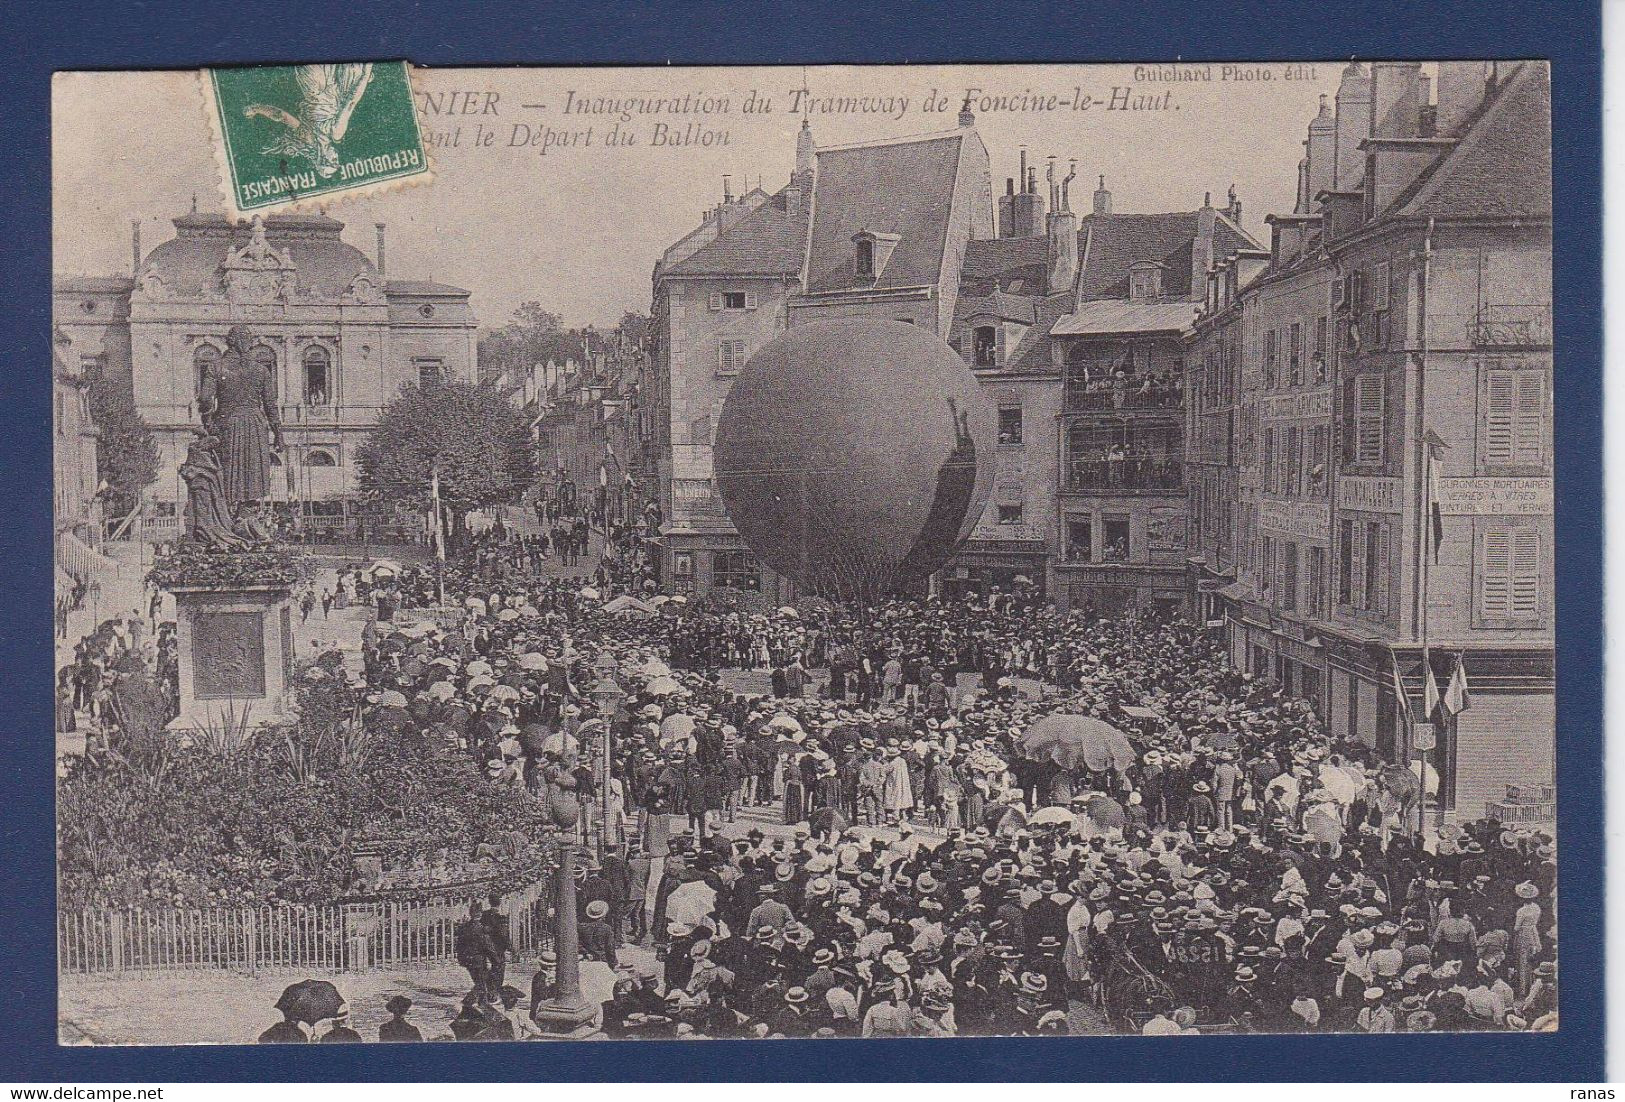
point(767, 241)
point(1110, 316)
point(902, 187)
point(1501, 167)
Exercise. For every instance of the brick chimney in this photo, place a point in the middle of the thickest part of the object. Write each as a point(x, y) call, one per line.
point(1202, 245)
point(1353, 125)
point(1395, 107)
point(1321, 153)
point(1062, 229)
point(1021, 208)
point(135, 245)
point(379, 227)
point(1103, 198)
point(1461, 90)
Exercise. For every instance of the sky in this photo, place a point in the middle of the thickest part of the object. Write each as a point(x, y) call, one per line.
point(539, 214)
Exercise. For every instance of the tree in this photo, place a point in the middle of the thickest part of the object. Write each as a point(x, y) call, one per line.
point(634, 326)
point(126, 454)
point(479, 444)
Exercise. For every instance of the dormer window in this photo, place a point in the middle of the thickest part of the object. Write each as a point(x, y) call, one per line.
point(870, 251)
point(1144, 281)
point(985, 346)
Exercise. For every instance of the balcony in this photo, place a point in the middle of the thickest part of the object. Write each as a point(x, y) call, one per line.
point(1112, 395)
point(1125, 475)
point(1514, 325)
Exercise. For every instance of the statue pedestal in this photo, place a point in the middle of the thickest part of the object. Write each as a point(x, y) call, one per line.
point(236, 655)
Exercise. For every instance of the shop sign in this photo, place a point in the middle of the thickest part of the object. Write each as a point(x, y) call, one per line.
point(1316, 405)
point(1376, 495)
point(1495, 497)
point(1301, 520)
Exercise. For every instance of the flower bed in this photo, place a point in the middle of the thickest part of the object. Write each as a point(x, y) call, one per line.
point(282, 817)
point(191, 566)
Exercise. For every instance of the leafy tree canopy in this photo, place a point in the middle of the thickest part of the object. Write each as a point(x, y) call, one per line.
point(479, 443)
point(126, 454)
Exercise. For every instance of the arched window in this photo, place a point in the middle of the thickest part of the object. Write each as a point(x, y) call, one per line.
point(318, 376)
point(204, 360)
point(985, 346)
point(265, 356)
point(320, 457)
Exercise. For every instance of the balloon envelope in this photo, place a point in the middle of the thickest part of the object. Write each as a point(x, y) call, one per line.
point(854, 456)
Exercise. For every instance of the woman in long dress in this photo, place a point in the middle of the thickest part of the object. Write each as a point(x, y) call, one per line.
point(238, 404)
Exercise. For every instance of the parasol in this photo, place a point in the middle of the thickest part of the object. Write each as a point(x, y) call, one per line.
point(691, 903)
point(790, 612)
point(529, 611)
point(310, 1001)
point(1105, 812)
point(827, 820)
point(1075, 742)
point(1134, 711)
point(562, 743)
point(661, 686)
point(654, 667)
point(679, 599)
point(392, 699)
point(1220, 740)
point(785, 722)
point(590, 593)
point(504, 692)
point(531, 660)
point(628, 606)
point(1323, 823)
point(508, 615)
point(478, 668)
point(386, 566)
point(1053, 816)
point(676, 727)
point(441, 690)
point(476, 605)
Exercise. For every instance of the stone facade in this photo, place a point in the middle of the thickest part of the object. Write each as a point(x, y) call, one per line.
point(340, 337)
point(1397, 356)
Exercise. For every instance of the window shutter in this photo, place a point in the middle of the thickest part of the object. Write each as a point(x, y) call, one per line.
point(1495, 582)
point(716, 300)
point(1368, 415)
point(1357, 574)
point(1500, 402)
point(1530, 405)
point(750, 300)
point(1524, 580)
point(1383, 569)
point(1379, 290)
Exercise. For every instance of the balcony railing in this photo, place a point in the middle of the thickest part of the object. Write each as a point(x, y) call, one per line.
point(1115, 395)
point(1105, 476)
point(1512, 325)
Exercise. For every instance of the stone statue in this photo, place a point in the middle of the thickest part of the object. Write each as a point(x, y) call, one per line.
point(208, 515)
point(238, 405)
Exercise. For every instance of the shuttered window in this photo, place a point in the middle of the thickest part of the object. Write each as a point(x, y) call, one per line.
point(1514, 419)
point(1509, 574)
point(730, 357)
point(1370, 439)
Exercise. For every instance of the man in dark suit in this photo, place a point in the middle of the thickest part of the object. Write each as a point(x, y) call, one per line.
point(501, 940)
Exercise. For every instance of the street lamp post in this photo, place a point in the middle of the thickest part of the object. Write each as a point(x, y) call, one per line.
point(567, 1013)
point(607, 694)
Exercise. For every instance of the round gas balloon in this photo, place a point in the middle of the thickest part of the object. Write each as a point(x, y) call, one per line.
point(855, 456)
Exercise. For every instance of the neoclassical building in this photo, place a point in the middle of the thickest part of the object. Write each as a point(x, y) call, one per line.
point(340, 339)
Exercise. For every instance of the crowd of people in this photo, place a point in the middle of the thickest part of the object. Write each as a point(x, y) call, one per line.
point(870, 844)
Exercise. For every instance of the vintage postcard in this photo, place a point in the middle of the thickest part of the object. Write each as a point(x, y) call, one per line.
point(793, 552)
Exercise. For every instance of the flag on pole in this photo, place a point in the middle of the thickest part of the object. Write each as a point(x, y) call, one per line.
point(1457, 698)
point(1430, 690)
point(1404, 702)
point(1433, 447)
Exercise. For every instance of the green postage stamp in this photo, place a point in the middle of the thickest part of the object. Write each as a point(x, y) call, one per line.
point(304, 135)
